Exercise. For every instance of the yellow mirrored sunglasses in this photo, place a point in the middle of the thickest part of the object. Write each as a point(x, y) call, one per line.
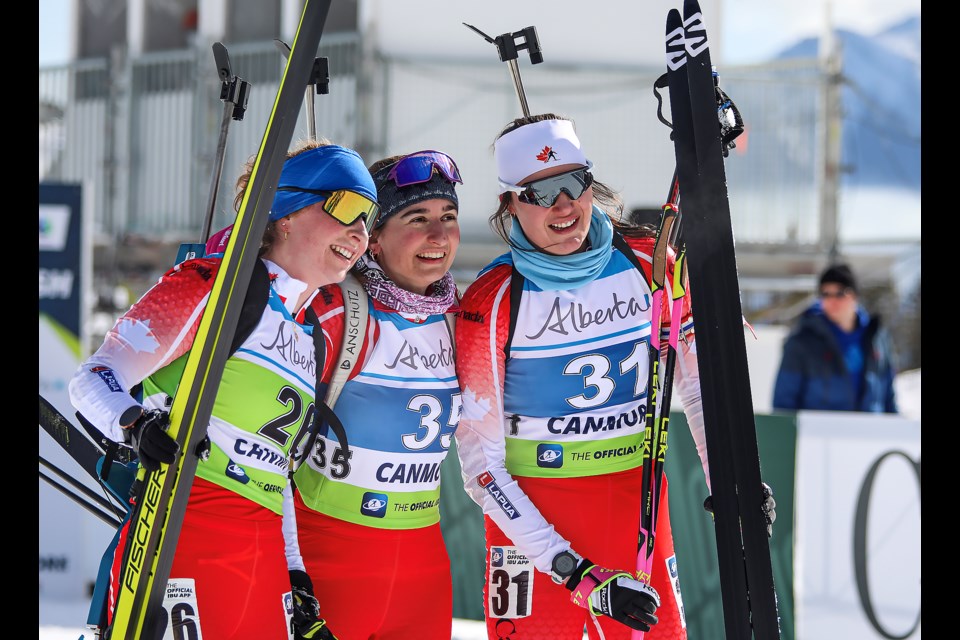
point(345, 206)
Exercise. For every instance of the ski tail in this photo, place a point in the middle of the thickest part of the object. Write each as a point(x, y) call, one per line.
point(155, 525)
point(102, 459)
point(749, 598)
point(83, 450)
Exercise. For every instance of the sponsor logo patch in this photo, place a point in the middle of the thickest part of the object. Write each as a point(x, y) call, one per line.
point(237, 472)
point(374, 504)
point(472, 316)
point(550, 456)
point(486, 481)
point(109, 378)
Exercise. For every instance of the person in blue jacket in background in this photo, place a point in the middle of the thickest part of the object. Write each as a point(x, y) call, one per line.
point(837, 357)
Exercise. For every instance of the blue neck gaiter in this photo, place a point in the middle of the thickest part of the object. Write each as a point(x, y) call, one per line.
point(558, 273)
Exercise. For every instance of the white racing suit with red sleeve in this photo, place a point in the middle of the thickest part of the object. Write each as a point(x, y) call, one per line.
point(262, 406)
point(561, 414)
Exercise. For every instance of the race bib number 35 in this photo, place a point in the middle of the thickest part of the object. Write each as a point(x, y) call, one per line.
point(510, 583)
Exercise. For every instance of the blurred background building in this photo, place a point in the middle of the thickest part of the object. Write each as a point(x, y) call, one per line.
point(829, 165)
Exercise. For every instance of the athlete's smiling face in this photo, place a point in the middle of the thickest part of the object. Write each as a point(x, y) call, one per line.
point(316, 248)
point(416, 246)
point(560, 229)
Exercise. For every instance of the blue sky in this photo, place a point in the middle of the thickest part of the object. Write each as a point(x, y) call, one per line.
point(753, 30)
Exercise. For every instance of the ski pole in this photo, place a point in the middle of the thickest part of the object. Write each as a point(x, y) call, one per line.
point(319, 83)
point(508, 45)
point(662, 423)
point(649, 499)
point(91, 495)
point(106, 517)
point(234, 93)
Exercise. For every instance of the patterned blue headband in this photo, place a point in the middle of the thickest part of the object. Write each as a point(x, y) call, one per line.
point(393, 199)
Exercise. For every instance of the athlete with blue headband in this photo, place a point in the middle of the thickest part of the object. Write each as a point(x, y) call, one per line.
point(237, 564)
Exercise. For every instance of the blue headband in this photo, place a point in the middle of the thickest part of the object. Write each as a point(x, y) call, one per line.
point(326, 168)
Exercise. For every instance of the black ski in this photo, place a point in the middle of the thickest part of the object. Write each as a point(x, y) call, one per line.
point(81, 448)
point(746, 574)
point(155, 526)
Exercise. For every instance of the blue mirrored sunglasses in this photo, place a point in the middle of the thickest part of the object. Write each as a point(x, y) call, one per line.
point(418, 168)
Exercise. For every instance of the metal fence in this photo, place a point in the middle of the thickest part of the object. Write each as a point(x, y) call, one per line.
point(141, 134)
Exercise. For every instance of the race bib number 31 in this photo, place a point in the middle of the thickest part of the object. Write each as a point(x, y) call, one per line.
point(180, 604)
point(510, 586)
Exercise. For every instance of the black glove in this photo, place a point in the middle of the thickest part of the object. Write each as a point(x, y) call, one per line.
point(149, 438)
point(768, 506)
point(615, 594)
point(307, 623)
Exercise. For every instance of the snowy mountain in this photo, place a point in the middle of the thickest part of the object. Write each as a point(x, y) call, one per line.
point(881, 105)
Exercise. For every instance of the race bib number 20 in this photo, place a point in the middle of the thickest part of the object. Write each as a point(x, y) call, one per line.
point(510, 586)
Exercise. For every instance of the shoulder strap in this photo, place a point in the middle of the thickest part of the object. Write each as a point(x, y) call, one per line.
point(356, 312)
point(451, 320)
point(516, 290)
point(321, 410)
point(253, 305)
point(620, 243)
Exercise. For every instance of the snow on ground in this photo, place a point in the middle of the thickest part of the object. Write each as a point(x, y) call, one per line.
point(462, 630)
point(58, 622)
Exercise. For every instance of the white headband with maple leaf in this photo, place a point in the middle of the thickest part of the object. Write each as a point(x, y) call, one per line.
point(534, 147)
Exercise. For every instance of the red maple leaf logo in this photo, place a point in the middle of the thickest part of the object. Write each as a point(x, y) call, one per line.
point(546, 154)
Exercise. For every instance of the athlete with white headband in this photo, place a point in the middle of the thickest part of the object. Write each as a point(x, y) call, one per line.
point(552, 345)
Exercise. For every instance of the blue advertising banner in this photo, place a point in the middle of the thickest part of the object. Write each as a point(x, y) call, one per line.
point(70, 542)
point(60, 254)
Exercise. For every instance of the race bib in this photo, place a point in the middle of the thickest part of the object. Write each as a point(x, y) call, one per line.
point(180, 607)
point(288, 612)
point(510, 583)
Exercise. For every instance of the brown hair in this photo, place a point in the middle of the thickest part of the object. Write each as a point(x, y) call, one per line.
point(270, 233)
point(386, 162)
point(604, 196)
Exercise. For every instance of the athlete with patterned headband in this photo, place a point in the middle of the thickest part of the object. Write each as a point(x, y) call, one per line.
point(237, 574)
point(553, 362)
point(369, 521)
